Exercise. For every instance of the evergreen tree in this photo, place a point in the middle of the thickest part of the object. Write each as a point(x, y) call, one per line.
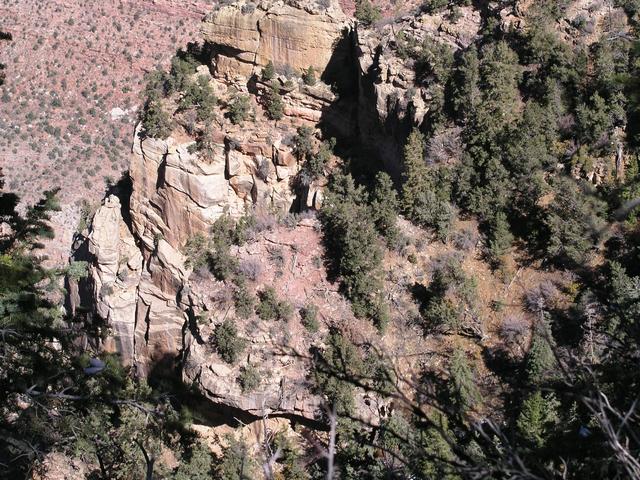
point(335, 370)
point(463, 391)
point(239, 109)
point(540, 358)
point(500, 239)
point(384, 206)
point(366, 12)
point(236, 462)
point(273, 102)
point(537, 415)
point(420, 200)
point(352, 242)
point(269, 71)
point(309, 76)
point(156, 121)
point(574, 221)
point(466, 90)
point(197, 465)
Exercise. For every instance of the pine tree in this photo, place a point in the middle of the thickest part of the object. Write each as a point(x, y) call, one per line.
point(537, 415)
point(309, 76)
point(352, 242)
point(239, 109)
point(420, 201)
point(462, 388)
point(384, 205)
point(273, 101)
point(366, 12)
point(236, 462)
point(540, 359)
point(466, 91)
point(415, 172)
point(156, 121)
point(500, 239)
point(197, 465)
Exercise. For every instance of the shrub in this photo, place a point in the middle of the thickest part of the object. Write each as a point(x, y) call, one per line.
point(273, 102)
point(366, 12)
point(239, 109)
point(156, 122)
point(77, 270)
point(308, 317)
point(249, 378)
point(250, 269)
point(227, 342)
point(264, 169)
point(465, 239)
point(244, 301)
point(309, 77)
point(271, 308)
point(541, 297)
point(513, 330)
point(269, 71)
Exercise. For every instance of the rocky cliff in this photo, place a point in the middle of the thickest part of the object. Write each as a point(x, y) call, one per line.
point(368, 94)
point(139, 278)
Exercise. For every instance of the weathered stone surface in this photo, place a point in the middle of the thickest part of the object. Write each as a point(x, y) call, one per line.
point(247, 37)
point(115, 273)
point(141, 283)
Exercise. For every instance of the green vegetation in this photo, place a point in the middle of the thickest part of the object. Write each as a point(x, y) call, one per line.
point(269, 71)
point(436, 6)
point(367, 13)
point(309, 77)
point(199, 95)
point(72, 401)
point(213, 252)
point(272, 308)
point(530, 148)
point(249, 378)
point(227, 342)
point(461, 384)
point(156, 121)
point(424, 200)
point(352, 242)
point(273, 101)
point(309, 318)
point(239, 109)
point(236, 462)
point(244, 301)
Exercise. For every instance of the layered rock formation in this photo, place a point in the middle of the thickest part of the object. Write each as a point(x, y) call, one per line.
point(139, 278)
point(295, 35)
point(141, 284)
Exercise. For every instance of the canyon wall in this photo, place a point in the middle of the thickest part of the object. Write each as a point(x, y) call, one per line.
point(140, 282)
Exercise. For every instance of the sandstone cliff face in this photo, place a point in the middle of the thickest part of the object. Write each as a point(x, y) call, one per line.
point(141, 285)
point(247, 36)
